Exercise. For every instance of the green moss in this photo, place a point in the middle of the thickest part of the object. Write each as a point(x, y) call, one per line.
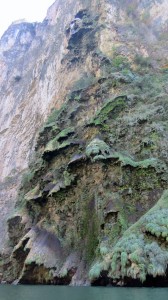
point(161, 204)
point(53, 117)
point(135, 255)
point(127, 161)
point(113, 231)
point(103, 250)
point(59, 117)
point(62, 184)
point(34, 194)
point(122, 220)
point(68, 178)
point(64, 133)
point(111, 109)
point(97, 149)
point(63, 272)
point(120, 61)
point(124, 258)
point(156, 223)
point(95, 271)
point(54, 145)
point(88, 229)
point(90, 234)
point(27, 178)
point(145, 179)
point(142, 61)
point(58, 186)
point(56, 114)
point(77, 98)
point(141, 251)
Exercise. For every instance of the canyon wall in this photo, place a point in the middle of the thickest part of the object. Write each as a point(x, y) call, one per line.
point(84, 131)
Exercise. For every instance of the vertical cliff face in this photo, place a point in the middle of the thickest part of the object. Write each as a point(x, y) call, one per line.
point(98, 163)
point(32, 82)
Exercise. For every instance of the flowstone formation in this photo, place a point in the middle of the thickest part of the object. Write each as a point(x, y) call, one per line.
point(93, 206)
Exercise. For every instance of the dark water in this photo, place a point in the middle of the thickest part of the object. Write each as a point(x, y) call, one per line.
point(8, 292)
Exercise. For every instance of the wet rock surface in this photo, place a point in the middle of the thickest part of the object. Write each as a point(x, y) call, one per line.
point(92, 207)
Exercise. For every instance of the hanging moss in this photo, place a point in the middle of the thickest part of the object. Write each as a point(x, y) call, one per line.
point(34, 194)
point(95, 271)
point(127, 161)
point(97, 149)
point(55, 146)
point(97, 179)
point(136, 255)
point(111, 109)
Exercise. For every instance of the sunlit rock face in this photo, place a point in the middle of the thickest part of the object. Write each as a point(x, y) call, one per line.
point(30, 59)
point(81, 45)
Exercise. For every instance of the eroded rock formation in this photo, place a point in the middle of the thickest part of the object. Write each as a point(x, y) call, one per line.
point(84, 110)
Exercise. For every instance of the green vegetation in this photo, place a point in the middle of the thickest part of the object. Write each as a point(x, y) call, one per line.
point(77, 98)
point(95, 271)
point(68, 178)
point(110, 109)
point(156, 223)
point(54, 145)
point(84, 82)
point(120, 62)
point(53, 117)
point(127, 161)
point(142, 60)
point(64, 133)
point(27, 178)
point(97, 149)
point(89, 233)
point(135, 258)
point(34, 194)
point(63, 273)
point(101, 165)
point(136, 255)
point(62, 183)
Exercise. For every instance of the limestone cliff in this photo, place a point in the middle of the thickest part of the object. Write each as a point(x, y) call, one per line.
point(84, 110)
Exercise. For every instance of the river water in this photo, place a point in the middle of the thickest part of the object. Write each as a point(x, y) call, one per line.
point(28, 292)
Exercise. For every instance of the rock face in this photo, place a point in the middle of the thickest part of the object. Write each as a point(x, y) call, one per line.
point(84, 110)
